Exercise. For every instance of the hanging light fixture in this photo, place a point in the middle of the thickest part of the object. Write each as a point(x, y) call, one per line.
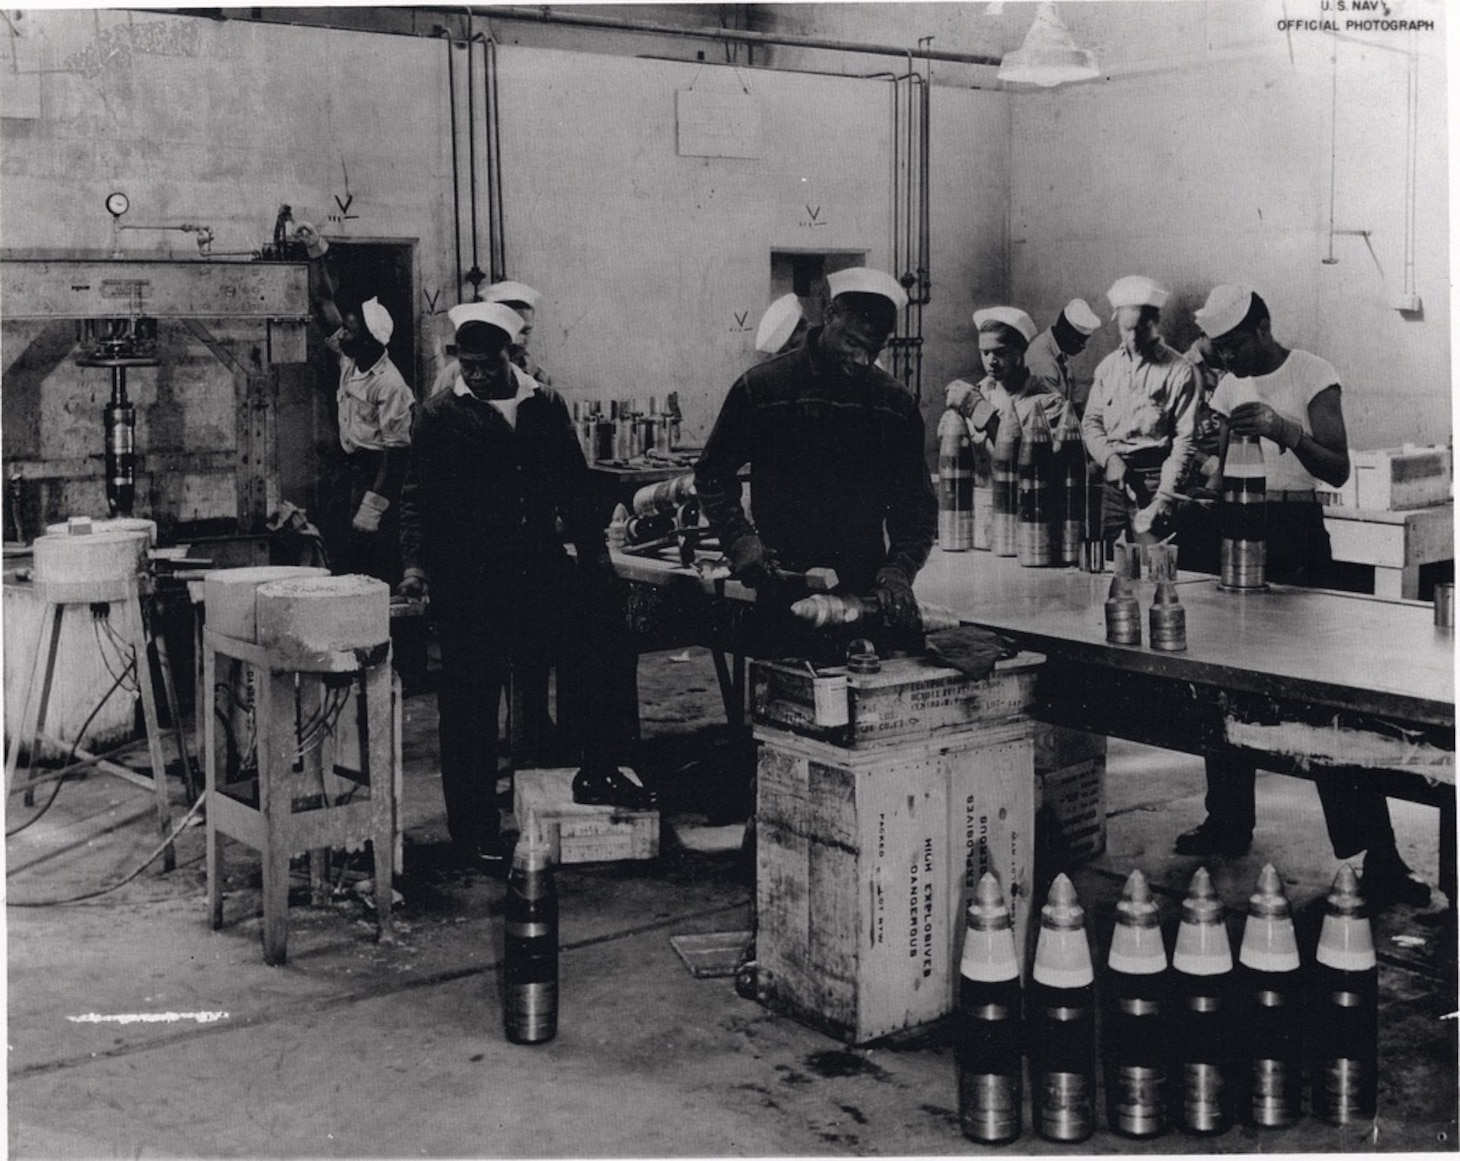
point(1048, 55)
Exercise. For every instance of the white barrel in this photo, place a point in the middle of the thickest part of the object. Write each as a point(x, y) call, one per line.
point(97, 567)
point(82, 694)
point(309, 615)
point(72, 527)
point(229, 596)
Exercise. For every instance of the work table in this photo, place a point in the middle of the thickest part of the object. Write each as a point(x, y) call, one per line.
point(1354, 650)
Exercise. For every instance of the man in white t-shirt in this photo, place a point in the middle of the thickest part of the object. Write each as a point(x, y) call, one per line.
point(1291, 400)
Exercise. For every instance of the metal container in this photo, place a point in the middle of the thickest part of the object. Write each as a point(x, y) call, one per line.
point(1244, 516)
point(530, 963)
point(1445, 605)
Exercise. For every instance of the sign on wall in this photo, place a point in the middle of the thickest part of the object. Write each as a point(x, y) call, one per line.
point(717, 124)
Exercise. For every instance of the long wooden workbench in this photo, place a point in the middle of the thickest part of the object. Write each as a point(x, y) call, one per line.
point(1310, 682)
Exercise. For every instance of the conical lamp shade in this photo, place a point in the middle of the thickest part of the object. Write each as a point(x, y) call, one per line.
point(1048, 55)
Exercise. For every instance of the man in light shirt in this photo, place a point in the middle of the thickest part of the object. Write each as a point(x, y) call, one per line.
point(1292, 401)
point(1139, 417)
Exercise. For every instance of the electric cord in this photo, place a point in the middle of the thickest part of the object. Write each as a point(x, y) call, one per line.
point(152, 858)
point(71, 757)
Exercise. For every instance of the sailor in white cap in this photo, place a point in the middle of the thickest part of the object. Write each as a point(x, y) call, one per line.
point(1049, 354)
point(1291, 400)
point(1139, 417)
point(835, 448)
point(524, 300)
point(374, 405)
point(1004, 335)
point(495, 469)
point(783, 323)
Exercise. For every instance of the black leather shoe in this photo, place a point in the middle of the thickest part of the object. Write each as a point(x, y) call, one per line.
point(610, 786)
point(492, 856)
point(1390, 881)
point(1210, 839)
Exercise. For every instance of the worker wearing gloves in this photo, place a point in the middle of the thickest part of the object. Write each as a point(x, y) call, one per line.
point(838, 472)
point(1140, 415)
point(494, 469)
point(373, 406)
point(1050, 351)
point(1008, 387)
point(1292, 400)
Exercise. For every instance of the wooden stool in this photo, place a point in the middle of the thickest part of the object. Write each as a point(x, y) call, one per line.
point(83, 595)
point(297, 803)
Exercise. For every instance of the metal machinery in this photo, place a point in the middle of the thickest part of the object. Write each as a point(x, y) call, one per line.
point(250, 314)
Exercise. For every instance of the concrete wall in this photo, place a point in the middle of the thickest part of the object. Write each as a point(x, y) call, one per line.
point(1202, 155)
point(655, 266)
point(1206, 156)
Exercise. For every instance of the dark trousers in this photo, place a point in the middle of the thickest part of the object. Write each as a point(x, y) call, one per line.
point(531, 614)
point(1357, 815)
point(377, 553)
point(1116, 508)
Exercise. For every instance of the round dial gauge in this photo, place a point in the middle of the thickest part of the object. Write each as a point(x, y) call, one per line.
point(117, 204)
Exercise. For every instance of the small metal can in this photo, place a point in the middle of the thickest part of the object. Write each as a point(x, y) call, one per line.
point(1445, 605)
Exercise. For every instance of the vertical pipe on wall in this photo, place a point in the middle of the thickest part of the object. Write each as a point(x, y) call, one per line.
point(455, 154)
point(474, 275)
point(496, 225)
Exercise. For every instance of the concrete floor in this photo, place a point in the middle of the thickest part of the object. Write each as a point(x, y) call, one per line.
point(359, 1050)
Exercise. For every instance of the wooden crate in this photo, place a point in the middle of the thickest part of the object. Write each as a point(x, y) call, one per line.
point(581, 834)
point(865, 863)
point(909, 698)
point(1069, 772)
point(1392, 479)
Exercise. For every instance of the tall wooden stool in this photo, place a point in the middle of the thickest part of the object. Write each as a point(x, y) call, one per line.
point(323, 644)
point(96, 575)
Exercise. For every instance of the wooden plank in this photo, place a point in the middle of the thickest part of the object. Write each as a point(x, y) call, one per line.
point(907, 697)
point(1358, 542)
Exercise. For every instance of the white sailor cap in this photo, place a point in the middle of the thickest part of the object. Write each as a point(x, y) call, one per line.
point(513, 292)
point(1009, 316)
point(1136, 290)
point(1078, 314)
point(377, 321)
point(778, 324)
point(494, 314)
point(1227, 305)
point(865, 280)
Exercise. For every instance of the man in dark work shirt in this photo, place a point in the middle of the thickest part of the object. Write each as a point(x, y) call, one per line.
point(495, 466)
point(838, 472)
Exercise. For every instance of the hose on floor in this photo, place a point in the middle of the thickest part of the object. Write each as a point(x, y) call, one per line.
point(152, 858)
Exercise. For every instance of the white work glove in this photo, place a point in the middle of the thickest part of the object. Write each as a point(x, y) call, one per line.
point(314, 245)
point(414, 586)
point(372, 508)
point(1145, 518)
point(966, 399)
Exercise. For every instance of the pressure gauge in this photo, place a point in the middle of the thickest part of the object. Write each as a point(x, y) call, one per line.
point(117, 204)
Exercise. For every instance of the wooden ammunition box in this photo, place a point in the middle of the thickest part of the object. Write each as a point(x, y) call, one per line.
point(1393, 479)
point(1069, 784)
point(581, 834)
point(911, 697)
point(866, 862)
